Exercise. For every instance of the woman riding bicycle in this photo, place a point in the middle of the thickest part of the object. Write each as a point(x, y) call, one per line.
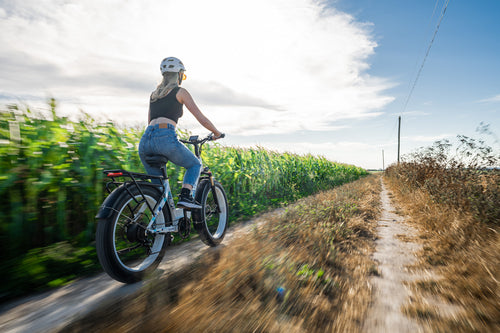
point(160, 138)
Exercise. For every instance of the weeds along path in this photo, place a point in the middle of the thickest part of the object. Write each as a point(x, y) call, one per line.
point(393, 253)
point(53, 310)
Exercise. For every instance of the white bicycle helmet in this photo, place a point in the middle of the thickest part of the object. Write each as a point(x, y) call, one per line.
point(171, 64)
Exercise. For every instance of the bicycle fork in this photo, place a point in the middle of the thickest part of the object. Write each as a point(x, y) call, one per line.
point(212, 185)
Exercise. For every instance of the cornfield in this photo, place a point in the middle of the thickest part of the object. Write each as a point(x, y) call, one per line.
point(52, 184)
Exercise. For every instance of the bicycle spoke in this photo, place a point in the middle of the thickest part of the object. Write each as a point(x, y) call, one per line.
point(210, 211)
point(128, 249)
point(133, 251)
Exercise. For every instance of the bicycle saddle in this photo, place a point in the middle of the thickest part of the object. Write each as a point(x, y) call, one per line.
point(156, 161)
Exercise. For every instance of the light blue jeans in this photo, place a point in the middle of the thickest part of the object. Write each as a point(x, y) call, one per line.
point(163, 141)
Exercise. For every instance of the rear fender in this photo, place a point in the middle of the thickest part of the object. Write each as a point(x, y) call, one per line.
point(107, 209)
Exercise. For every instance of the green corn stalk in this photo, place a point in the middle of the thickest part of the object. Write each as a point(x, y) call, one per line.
point(52, 183)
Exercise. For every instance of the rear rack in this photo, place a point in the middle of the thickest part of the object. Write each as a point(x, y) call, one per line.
point(124, 173)
point(135, 177)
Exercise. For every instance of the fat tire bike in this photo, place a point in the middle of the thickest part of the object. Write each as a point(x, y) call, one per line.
point(137, 220)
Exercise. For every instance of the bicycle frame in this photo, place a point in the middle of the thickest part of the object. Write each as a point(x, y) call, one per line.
point(166, 198)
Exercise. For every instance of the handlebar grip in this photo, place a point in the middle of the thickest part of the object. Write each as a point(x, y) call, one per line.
point(212, 136)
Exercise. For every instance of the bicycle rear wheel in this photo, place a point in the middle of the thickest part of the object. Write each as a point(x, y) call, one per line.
point(124, 248)
point(211, 221)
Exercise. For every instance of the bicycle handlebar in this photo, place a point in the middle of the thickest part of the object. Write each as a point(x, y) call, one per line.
point(195, 141)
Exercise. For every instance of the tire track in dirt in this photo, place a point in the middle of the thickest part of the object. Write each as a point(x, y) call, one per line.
point(53, 310)
point(393, 257)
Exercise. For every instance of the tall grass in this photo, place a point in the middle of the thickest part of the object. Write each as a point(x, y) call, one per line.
point(51, 185)
point(453, 195)
point(463, 177)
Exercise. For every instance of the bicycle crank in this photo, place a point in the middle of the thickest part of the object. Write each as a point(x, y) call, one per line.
point(184, 228)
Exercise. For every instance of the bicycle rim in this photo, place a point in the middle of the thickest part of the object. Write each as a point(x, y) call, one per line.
point(215, 222)
point(134, 249)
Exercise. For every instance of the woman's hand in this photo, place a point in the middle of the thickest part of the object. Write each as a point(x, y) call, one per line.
point(217, 135)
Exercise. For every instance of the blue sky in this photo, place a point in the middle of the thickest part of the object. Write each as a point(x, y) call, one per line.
point(459, 85)
point(323, 77)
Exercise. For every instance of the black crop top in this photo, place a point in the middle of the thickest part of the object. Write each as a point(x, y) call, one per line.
point(168, 107)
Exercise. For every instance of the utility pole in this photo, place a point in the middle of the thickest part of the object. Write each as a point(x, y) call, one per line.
point(399, 137)
point(383, 162)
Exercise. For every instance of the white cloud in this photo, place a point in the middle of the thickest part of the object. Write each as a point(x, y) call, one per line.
point(430, 138)
point(414, 113)
point(494, 99)
point(265, 66)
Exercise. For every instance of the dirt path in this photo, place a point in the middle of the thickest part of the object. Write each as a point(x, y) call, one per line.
point(54, 310)
point(393, 255)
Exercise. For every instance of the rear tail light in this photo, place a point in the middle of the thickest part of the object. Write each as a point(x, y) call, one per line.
point(115, 174)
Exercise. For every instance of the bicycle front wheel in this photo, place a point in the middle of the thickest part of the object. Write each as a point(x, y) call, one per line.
point(127, 252)
point(211, 221)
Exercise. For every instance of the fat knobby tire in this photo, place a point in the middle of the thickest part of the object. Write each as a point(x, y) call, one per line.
point(105, 237)
point(204, 195)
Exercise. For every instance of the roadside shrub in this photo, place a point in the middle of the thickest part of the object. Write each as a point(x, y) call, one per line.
point(467, 178)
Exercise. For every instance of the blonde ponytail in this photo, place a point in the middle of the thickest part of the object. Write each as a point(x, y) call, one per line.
point(169, 82)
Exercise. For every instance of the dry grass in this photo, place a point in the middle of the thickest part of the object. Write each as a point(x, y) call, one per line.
point(457, 214)
point(405, 238)
point(318, 252)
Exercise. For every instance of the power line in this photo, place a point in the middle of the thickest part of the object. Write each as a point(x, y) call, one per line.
point(426, 55)
point(433, 12)
point(428, 31)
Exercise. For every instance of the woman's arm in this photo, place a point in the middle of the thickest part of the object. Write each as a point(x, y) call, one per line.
point(185, 98)
point(149, 109)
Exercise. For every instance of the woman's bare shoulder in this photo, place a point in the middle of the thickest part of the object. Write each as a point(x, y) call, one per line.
point(183, 95)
